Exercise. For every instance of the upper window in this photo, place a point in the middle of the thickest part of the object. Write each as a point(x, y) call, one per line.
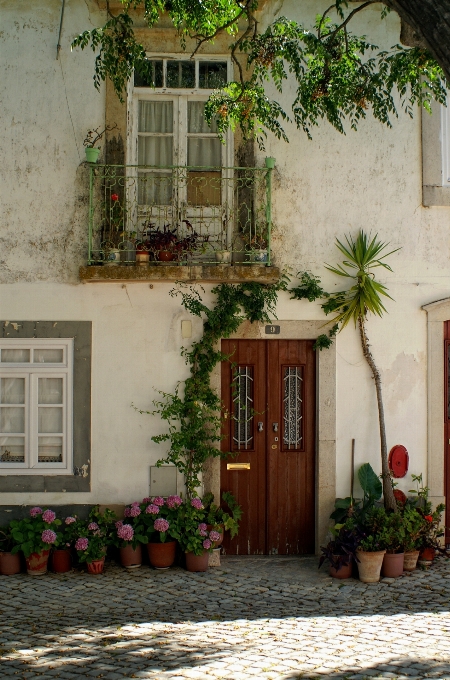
point(36, 406)
point(182, 74)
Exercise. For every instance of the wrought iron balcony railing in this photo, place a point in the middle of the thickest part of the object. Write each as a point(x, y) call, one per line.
point(147, 215)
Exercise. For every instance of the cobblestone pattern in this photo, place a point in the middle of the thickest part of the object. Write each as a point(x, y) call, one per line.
point(252, 618)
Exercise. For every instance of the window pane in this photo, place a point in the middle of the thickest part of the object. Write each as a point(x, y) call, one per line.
point(48, 356)
point(15, 356)
point(293, 407)
point(204, 151)
point(12, 391)
point(155, 116)
point(155, 188)
point(150, 74)
point(155, 151)
point(12, 449)
point(204, 188)
point(180, 74)
point(50, 391)
point(243, 407)
point(12, 419)
point(50, 450)
point(50, 419)
point(212, 74)
point(196, 118)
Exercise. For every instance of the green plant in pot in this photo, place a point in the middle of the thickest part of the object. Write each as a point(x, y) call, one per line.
point(129, 536)
point(432, 532)
point(218, 519)
point(9, 561)
point(161, 518)
point(341, 550)
point(414, 527)
point(94, 536)
point(61, 558)
point(91, 140)
point(393, 541)
point(195, 539)
point(34, 536)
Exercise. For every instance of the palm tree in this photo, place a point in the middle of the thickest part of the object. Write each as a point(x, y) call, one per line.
point(363, 298)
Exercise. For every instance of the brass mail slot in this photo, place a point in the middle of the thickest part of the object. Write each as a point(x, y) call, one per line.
point(238, 466)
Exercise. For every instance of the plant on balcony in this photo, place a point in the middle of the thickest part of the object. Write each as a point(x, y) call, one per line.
point(167, 240)
point(92, 138)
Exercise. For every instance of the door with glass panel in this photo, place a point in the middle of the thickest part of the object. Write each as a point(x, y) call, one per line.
point(268, 392)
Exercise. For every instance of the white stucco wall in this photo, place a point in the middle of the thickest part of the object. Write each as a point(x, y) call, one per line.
point(322, 189)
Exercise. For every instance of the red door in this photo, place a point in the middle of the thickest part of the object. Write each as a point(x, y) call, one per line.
point(268, 391)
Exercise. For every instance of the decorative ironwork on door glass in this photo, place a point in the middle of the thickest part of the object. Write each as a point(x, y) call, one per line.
point(448, 380)
point(293, 407)
point(243, 407)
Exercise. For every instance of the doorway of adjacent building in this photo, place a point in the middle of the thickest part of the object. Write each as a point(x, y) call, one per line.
point(268, 392)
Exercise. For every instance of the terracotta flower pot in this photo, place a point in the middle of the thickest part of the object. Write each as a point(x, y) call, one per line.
point(344, 571)
point(393, 565)
point(411, 560)
point(61, 561)
point(369, 565)
point(37, 563)
point(161, 555)
point(197, 562)
point(166, 256)
point(96, 566)
point(131, 558)
point(9, 564)
point(210, 527)
point(427, 555)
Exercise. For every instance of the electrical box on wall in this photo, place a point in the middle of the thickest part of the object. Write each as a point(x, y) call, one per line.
point(163, 480)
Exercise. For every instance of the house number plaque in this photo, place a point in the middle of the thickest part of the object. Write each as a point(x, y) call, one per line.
point(272, 330)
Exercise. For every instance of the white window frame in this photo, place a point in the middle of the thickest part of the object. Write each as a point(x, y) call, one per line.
point(31, 372)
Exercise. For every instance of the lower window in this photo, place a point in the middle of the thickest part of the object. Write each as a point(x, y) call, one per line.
point(36, 385)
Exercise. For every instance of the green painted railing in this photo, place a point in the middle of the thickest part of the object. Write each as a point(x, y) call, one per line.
point(151, 215)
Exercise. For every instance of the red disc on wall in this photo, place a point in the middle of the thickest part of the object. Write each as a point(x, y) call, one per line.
point(399, 496)
point(398, 461)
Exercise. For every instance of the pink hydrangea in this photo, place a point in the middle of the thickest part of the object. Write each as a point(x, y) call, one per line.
point(119, 523)
point(127, 512)
point(202, 529)
point(207, 544)
point(49, 516)
point(48, 536)
point(93, 526)
point(214, 536)
point(35, 511)
point(134, 503)
point(174, 501)
point(196, 503)
point(81, 543)
point(70, 520)
point(152, 509)
point(161, 524)
point(135, 511)
point(158, 500)
point(125, 532)
point(146, 500)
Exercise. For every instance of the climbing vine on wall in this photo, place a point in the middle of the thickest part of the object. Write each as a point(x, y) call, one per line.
point(193, 410)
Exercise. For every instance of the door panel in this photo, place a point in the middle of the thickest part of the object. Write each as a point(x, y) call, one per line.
point(277, 493)
point(447, 428)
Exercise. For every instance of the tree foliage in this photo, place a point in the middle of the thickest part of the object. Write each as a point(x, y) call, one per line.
point(339, 76)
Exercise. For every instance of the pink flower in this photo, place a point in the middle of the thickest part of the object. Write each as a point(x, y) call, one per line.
point(196, 503)
point(202, 530)
point(125, 532)
point(127, 512)
point(152, 509)
point(93, 526)
point(161, 524)
point(174, 501)
point(48, 536)
point(49, 516)
point(70, 520)
point(114, 197)
point(214, 536)
point(135, 511)
point(81, 543)
point(146, 500)
point(35, 511)
point(207, 544)
point(119, 523)
point(158, 500)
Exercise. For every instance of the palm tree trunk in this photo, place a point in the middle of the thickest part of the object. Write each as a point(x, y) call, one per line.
point(388, 492)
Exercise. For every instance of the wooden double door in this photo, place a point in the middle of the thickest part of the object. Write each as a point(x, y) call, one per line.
point(268, 392)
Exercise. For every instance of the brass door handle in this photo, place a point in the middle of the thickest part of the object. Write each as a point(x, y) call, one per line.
point(238, 466)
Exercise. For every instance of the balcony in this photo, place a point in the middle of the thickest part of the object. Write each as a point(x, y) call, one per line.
point(179, 223)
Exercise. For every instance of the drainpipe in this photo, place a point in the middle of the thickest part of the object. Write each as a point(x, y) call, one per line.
point(58, 46)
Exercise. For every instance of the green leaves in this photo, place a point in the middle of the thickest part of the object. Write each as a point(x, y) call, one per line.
point(370, 483)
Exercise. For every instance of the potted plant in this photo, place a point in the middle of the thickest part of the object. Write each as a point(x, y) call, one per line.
point(162, 522)
point(393, 540)
point(195, 539)
point(341, 550)
point(130, 535)
point(34, 536)
point(256, 240)
point(223, 256)
point(217, 519)
point(61, 560)
point(414, 527)
point(94, 536)
point(9, 561)
point(371, 549)
point(92, 138)
point(429, 541)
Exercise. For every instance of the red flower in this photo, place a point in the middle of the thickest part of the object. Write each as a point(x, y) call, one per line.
point(114, 197)
point(429, 518)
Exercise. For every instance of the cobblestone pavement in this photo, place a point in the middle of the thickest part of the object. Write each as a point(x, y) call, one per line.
point(264, 617)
